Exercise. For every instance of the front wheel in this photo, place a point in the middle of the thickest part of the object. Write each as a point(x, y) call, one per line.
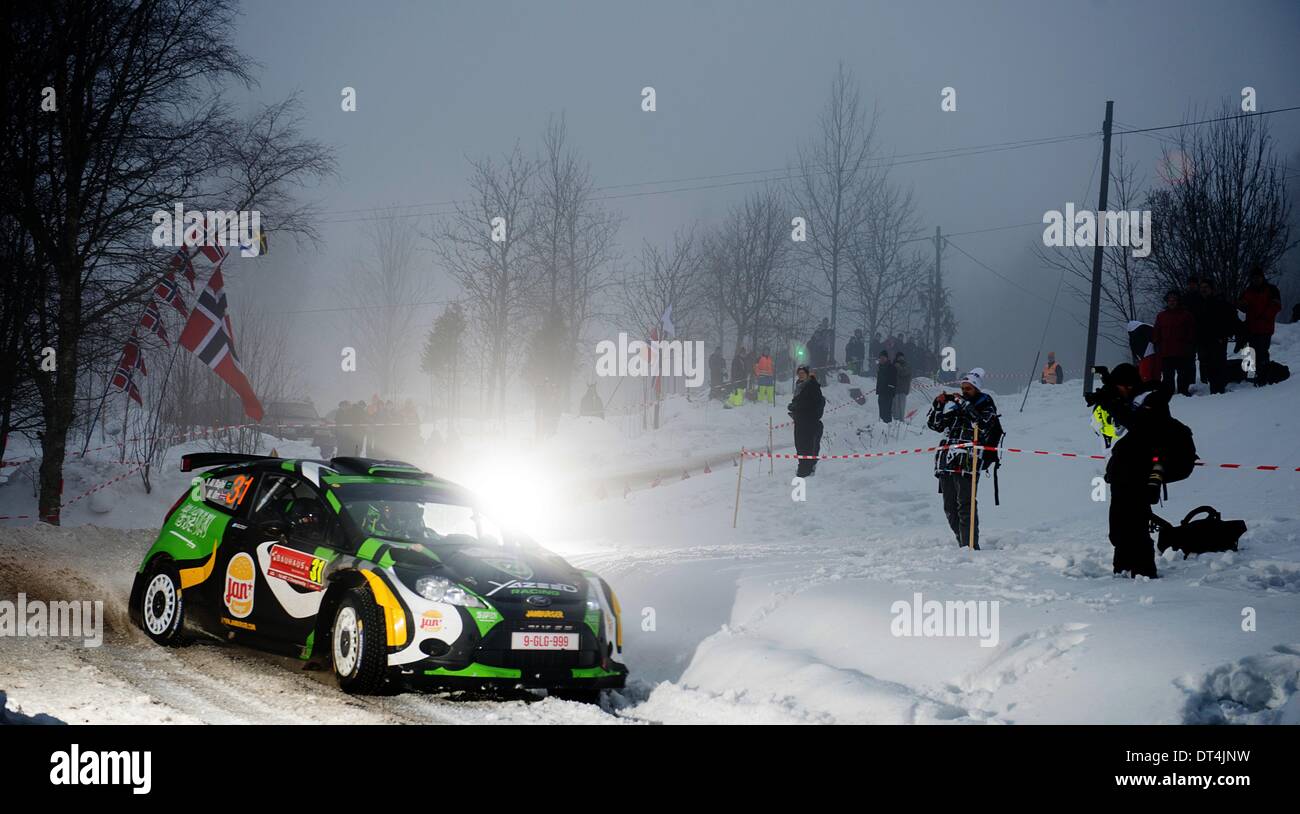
point(358, 643)
point(162, 607)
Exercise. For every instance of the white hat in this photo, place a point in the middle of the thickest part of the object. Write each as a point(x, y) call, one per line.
point(975, 378)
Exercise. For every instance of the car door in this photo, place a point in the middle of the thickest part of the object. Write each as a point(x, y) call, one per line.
point(290, 538)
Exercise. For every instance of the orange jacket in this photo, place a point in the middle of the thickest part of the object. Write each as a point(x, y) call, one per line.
point(763, 367)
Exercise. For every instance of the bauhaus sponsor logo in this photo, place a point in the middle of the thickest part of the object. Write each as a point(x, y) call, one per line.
point(75, 767)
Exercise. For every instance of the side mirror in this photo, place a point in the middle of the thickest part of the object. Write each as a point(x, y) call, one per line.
point(274, 528)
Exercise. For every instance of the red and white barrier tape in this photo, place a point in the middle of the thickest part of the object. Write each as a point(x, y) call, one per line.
point(92, 490)
point(1076, 455)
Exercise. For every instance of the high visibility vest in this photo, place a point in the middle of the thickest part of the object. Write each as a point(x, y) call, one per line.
point(763, 367)
point(1049, 373)
point(1102, 423)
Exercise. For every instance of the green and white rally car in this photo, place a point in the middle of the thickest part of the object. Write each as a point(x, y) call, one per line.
point(385, 572)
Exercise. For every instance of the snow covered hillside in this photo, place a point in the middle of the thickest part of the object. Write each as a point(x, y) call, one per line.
point(790, 617)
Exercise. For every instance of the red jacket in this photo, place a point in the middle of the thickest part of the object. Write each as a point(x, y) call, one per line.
point(1175, 332)
point(1262, 305)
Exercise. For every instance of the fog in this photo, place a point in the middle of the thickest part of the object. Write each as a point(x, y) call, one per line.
point(738, 86)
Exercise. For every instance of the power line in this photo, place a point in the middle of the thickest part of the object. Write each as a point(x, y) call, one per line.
point(960, 152)
point(1207, 121)
point(902, 159)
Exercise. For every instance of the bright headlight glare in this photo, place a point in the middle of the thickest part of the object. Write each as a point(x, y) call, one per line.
point(441, 589)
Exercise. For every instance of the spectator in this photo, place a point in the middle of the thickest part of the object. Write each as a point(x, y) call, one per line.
point(1175, 339)
point(1216, 323)
point(886, 385)
point(805, 411)
point(717, 374)
point(1262, 302)
point(1052, 372)
point(956, 416)
point(854, 353)
point(902, 386)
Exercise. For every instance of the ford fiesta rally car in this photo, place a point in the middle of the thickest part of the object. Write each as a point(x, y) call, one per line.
point(384, 571)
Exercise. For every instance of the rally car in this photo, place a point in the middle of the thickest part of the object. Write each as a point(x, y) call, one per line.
point(383, 571)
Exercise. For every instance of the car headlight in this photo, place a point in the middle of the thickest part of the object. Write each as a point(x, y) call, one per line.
point(441, 589)
point(593, 602)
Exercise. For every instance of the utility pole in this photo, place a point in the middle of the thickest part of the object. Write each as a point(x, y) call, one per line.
point(1094, 304)
point(934, 300)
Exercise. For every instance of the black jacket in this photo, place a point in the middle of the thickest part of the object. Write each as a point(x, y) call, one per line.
point(854, 350)
point(717, 368)
point(1216, 321)
point(1145, 418)
point(739, 370)
point(808, 403)
point(886, 379)
point(955, 422)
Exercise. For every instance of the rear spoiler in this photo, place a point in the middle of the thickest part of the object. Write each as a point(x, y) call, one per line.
point(202, 460)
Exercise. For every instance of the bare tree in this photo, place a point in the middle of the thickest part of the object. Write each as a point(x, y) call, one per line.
point(386, 281)
point(833, 184)
point(1226, 209)
point(752, 252)
point(485, 246)
point(572, 243)
point(136, 127)
point(1124, 291)
point(883, 273)
point(665, 278)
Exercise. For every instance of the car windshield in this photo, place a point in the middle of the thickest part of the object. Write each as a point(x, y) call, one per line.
point(418, 513)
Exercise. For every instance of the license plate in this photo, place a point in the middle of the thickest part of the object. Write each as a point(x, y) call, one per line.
point(543, 641)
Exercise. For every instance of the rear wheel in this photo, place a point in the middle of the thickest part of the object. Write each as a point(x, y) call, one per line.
point(162, 607)
point(358, 643)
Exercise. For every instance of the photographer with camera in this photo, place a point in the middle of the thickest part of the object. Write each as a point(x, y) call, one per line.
point(1152, 449)
point(957, 416)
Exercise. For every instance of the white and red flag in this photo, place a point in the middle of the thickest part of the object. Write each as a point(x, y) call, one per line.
point(124, 377)
point(183, 262)
point(208, 335)
point(151, 321)
point(170, 293)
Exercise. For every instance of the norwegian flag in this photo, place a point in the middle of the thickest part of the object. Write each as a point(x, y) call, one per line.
point(167, 291)
point(151, 321)
point(184, 263)
point(208, 335)
point(124, 377)
point(214, 253)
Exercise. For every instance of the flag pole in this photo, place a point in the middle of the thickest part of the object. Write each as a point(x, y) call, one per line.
point(739, 472)
point(974, 470)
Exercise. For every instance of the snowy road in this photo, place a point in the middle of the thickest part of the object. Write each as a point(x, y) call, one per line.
point(791, 617)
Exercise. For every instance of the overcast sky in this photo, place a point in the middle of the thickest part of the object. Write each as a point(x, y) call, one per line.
point(738, 86)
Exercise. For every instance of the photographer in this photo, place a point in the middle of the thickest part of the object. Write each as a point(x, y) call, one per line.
point(1140, 412)
point(806, 411)
point(957, 416)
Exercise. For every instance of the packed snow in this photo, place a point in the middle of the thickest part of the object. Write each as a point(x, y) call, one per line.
point(791, 617)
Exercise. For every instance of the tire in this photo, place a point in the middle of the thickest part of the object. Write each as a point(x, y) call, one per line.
point(162, 605)
point(358, 643)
